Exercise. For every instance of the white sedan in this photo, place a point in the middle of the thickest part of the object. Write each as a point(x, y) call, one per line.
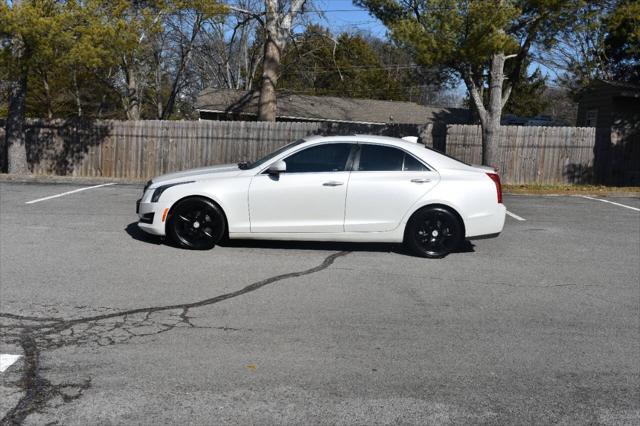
point(338, 188)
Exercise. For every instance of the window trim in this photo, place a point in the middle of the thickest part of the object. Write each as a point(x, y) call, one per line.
point(347, 168)
point(356, 163)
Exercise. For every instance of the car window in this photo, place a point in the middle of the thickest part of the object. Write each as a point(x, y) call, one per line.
point(413, 165)
point(380, 158)
point(320, 158)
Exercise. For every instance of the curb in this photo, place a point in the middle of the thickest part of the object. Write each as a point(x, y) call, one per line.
point(608, 194)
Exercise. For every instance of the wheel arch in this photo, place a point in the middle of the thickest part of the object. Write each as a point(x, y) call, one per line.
point(436, 204)
point(200, 197)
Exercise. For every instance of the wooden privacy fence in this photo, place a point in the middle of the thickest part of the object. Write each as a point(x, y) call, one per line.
point(528, 154)
point(143, 149)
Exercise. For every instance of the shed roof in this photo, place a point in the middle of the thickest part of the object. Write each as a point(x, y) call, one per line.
point(611, 88)
point(329, 108)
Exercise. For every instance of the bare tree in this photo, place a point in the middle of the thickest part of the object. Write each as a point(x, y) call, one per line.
point(277, 27)
point(182, 30)
point(228, 52)
point(277, 20)
point(579, 55)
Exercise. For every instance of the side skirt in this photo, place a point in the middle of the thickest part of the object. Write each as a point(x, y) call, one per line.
point(484, 237)
point(356, 237)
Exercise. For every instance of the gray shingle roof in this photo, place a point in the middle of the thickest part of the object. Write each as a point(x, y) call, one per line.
point(328, 108)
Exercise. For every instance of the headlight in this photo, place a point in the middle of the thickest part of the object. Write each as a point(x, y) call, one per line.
point(159, 190)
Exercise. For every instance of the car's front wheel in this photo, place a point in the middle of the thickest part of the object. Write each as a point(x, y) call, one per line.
point(433, 232)
point(196, 223)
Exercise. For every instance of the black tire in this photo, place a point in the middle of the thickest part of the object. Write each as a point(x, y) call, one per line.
point(433, 232)
point(196, 224)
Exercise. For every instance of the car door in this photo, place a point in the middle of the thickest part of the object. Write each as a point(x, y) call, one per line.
point(385, 182)
point(308, 197)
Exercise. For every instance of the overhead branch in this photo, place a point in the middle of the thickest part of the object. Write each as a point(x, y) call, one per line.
point(476, 97)
point(505, 94)
point(287, 20)
point(255, 15)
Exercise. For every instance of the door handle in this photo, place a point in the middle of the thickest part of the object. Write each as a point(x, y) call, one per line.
point(333, 183)
point(420, 180)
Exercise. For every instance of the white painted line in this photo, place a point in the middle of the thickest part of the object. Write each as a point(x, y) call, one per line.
point(611, 202)
point(515, 216)
point(68, 192)
point(7, 360)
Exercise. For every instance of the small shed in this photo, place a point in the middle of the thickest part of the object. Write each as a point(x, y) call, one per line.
point(614, 108)
point(609, 104)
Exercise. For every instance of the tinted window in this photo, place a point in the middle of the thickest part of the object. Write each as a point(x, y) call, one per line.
point(320, 158)
point(413, 165)
point(380, 158)
point(384, 158)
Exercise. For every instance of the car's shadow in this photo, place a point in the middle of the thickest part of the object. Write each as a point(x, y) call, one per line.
point(139, 235)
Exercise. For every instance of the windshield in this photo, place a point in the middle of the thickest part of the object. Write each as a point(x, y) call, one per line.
point(274, 154)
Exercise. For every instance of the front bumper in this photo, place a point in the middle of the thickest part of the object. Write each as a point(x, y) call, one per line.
point(151, 215)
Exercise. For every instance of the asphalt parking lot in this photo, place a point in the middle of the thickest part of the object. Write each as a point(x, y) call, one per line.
point(541, 325)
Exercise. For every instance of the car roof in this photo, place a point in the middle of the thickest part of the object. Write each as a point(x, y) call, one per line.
point(432, 157)
point(362, 138)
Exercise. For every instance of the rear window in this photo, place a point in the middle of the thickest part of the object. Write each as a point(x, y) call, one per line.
point(378, 158)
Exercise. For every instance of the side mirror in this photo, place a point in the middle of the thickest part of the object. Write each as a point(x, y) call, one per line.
point(277, 168)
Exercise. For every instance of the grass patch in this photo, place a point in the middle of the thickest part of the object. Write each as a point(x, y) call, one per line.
point(571, 189)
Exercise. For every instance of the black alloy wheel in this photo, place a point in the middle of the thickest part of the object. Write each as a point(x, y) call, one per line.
point(433, 232)
point(196, 223)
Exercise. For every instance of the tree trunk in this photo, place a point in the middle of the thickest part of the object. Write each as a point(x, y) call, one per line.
point(158, 82)
point(76, 94)
point(133, 97)
point(47, 94)
point(270, 72)
point(15, 141)
point(493, 115)
point(15, 144)
point(490, 138)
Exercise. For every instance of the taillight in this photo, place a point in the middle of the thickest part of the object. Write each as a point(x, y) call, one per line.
point(496, 179)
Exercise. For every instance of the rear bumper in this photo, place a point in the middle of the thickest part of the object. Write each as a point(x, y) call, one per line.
point(487, 224)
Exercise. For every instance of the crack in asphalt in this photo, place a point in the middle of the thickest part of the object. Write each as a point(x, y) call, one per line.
point(47, 333)
point(38, 390)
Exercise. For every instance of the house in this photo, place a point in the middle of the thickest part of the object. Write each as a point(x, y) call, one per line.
point(228, 104)
point(609, 104)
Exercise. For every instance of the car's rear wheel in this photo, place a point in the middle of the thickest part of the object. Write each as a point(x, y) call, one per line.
point(196, 223)
point(433, 232)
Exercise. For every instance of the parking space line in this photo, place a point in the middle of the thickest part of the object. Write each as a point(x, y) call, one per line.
point(7, 360)
point(68, 192)
point(611, 202)
point(515, 216)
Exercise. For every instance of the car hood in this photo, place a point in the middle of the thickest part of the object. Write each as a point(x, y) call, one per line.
point(223, 170)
